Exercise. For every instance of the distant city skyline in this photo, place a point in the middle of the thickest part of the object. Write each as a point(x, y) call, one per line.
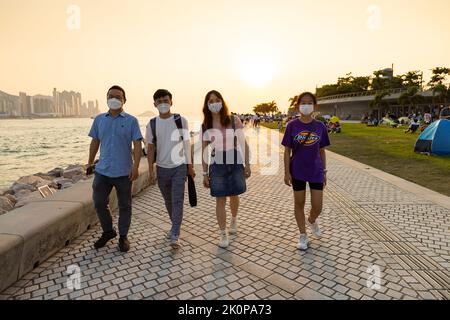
point(59, 104)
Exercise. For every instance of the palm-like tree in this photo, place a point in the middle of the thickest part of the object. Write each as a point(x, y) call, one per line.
point(267, 107)
point(412, 79)
point(403, 100)
point(415, 96)
point(410, 97)
point(378, 101)
point(293, 101)
point(441, 91)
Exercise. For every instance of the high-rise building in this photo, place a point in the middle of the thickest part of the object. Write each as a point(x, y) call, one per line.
point(9, 105)
point(57, 102)
point(67, 103)
point(25, 104)
point(91, 108)
point(84, 110)
point(42, 105)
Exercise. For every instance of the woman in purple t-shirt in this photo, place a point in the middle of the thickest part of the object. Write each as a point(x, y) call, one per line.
point(305, 140)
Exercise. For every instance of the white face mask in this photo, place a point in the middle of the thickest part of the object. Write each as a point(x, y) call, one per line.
point(215, 107)
point(163, 108)
point(114, 104)
point(306, 109)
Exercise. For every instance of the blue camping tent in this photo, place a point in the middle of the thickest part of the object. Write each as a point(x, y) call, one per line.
point(435, 139)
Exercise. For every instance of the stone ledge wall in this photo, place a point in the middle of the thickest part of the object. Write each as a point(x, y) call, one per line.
point(31, 234)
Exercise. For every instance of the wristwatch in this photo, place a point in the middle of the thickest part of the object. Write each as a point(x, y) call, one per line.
point(206, 174)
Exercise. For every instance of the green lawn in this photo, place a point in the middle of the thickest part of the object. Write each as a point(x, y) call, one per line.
point(392, 151)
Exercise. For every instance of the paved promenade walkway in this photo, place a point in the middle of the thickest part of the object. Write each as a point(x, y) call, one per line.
point(369, 218)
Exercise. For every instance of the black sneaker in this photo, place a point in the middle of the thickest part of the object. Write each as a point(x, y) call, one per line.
point(106, 236)
point(124, 244)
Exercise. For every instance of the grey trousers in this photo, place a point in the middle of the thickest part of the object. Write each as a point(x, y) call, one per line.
point(171, 182)
point(102, 187)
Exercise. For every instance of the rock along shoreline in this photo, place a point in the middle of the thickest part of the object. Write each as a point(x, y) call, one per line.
point(25, 189)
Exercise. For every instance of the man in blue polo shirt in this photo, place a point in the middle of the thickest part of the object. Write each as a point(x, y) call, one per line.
point(114, 132)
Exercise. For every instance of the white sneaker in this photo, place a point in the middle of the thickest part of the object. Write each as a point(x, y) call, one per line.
point(175, 243)
point(224, 242)
point(315, 229)
point(303, 242)
point(233, 226)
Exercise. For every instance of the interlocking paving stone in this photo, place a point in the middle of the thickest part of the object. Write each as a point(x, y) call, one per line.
point(365, 221)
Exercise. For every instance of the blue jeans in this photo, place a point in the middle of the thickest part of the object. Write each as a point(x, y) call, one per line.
point(171, 182)
point(102, 187)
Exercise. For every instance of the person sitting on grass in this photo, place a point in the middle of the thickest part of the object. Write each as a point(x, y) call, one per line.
point(335, 127)
point(427, 118)
point(413, 126)
point(372, 122)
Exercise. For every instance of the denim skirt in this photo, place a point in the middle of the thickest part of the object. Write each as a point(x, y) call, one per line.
point(227, 180)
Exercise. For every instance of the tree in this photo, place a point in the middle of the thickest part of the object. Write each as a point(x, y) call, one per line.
point(412, 82)
point(327, 90)
point(345, 84)
point(378, 101)
point(396, 82)
point(415, 96)
point(361, 83)
point(273, 107)
point(293, 101)
point(439, 75)
point(412, 79)
point(380, 81)
point(441, 91)
point(349, 84)
point(265, 108)
point(412, 97)
point(385, 80)
point(403, 100)
point(441, 94)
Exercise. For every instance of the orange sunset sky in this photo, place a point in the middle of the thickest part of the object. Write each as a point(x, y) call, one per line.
point(252, 51)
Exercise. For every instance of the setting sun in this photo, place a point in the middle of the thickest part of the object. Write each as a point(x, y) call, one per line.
point(257, 72)
point(257, 64)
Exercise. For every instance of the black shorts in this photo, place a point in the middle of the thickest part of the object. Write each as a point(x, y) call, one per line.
point(299, 185)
